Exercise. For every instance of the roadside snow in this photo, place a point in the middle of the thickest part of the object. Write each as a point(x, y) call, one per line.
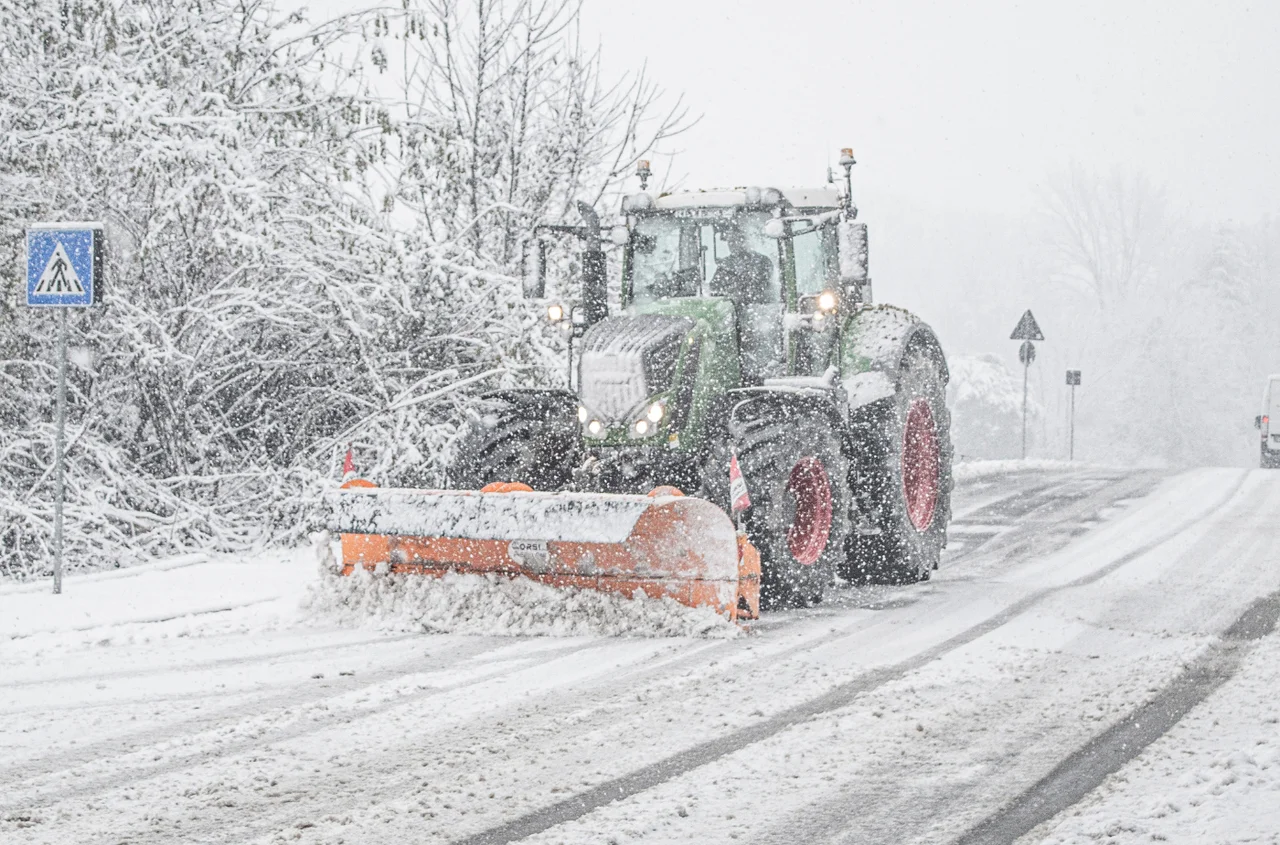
point(969, 470)
point(188, 586)
point(496, 605)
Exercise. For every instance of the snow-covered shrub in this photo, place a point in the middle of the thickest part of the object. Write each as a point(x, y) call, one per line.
point(298, 259)
point(985, 398)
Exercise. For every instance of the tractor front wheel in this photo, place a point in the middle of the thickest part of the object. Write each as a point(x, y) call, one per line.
point(903, 479)
point(526, 436)
point(795, 471)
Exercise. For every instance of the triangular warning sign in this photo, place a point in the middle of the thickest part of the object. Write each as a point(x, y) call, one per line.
point(59, 276)
point(1027, 329)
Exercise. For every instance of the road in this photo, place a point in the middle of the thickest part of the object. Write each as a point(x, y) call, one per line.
point(972, 708)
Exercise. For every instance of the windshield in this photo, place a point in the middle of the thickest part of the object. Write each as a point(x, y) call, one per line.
point(721, 255)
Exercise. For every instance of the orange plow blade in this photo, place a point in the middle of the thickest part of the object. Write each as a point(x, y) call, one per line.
point(671, 546)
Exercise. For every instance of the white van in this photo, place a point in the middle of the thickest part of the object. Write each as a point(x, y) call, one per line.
point(1270, 457)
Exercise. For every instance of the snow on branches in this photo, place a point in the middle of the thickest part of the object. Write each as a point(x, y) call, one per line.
point(314, 239)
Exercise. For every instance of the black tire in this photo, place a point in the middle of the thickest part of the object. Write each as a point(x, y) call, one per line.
point(904, 550)
point(530, 436)
point(778, 445)
point(1269, 459)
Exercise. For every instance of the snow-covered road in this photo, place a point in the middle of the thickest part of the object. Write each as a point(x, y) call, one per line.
point(194, 702)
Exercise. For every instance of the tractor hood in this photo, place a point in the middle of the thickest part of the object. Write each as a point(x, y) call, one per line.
point(626, 360)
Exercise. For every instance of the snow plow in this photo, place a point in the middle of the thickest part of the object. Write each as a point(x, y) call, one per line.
point(749, 367)
point(659, 545)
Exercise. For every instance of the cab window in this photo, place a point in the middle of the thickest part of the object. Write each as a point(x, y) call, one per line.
point(816, 263)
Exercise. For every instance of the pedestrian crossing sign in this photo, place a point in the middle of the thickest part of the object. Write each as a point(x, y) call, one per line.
point(64, 265)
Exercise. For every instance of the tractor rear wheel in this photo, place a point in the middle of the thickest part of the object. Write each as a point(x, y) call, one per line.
point(529, 436)
point(795, 471)
point(903, 480)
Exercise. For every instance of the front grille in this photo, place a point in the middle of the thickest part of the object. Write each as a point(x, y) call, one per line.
point(625, 360)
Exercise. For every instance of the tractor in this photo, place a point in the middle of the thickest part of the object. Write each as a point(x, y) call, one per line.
point(745, 342)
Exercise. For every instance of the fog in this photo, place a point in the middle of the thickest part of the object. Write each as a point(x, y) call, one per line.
point(1157, 118)
point(962, 120)
point(965, 109)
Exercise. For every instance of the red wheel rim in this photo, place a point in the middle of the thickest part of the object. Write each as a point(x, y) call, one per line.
point(920, 464)
point(807, 536)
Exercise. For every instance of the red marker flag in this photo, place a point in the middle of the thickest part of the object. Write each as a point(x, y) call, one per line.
point(739, 498)
point(348, 465)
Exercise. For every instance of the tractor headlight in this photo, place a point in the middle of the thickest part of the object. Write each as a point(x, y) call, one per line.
point(592, 424)
point(827, 302)
point(647, 422)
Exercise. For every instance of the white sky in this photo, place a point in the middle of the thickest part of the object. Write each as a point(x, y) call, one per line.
point(966, 106)
point(956, 112)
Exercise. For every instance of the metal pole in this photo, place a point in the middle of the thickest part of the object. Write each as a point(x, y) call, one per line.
point(59, 444)
point(1025, 368)
point(1071, 454)
point(570, 373)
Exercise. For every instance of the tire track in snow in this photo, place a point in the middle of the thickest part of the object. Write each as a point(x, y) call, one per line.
point(1108, 752)
point(388, 770)
point(843, 695)
point(295, 698)
point(1070, 668)
point(599, 698)
point(231, 821)
point(1063, 502)
point(217, 663)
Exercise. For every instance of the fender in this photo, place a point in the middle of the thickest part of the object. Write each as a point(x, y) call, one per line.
point(786, 401)
point(873, 345)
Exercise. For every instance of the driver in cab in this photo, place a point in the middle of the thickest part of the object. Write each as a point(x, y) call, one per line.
point(742, 275)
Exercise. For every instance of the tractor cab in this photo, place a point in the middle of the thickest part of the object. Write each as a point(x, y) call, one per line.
point(760, 250)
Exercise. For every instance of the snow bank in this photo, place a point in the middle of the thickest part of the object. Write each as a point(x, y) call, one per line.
point(970, 470)
point(187, 586)
point(497, 605)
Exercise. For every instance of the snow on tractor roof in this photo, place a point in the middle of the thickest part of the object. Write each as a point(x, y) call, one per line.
point(729, 197)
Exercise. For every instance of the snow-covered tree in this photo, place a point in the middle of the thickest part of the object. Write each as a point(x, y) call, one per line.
point(985, 398)
point(496, 119)
point(244, 280)
point(308, 247)
point(1168, 319)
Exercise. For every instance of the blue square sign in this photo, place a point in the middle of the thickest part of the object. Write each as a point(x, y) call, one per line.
point(64, 265)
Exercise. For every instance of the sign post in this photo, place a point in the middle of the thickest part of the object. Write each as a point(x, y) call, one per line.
point(1026, 331)
point(1073, 381)
point(64, 270)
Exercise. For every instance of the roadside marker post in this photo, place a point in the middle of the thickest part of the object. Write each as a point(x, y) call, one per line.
point(1026, 331)
point(64, 270)
point(1073, 381)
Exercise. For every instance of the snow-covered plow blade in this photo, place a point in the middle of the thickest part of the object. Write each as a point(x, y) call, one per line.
point(672, 546)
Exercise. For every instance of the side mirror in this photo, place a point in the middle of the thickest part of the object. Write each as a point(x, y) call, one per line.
point(854, 262)
point(535, 269)
point(855, 278)
point(1257, 421)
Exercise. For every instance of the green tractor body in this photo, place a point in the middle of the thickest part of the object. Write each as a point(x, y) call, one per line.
point(746, 337)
